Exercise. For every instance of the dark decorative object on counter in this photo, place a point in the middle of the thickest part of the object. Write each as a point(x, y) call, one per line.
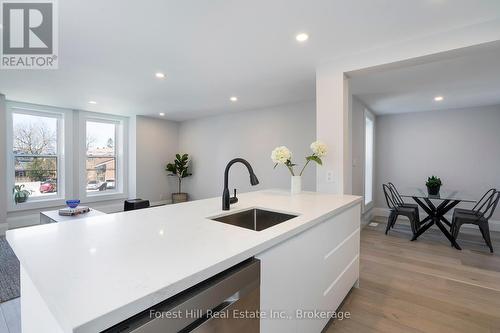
point(179, 169)
point(433, 185)
point(72, 203)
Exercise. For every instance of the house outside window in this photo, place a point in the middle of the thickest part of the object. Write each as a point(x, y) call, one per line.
point(103, 156)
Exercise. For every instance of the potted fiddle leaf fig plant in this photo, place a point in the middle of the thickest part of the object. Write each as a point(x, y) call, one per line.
point(433, 185)
point(179, 169)
point(20, 194)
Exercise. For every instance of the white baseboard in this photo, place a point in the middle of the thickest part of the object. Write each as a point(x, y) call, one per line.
point(384, 212)
point(367, 216)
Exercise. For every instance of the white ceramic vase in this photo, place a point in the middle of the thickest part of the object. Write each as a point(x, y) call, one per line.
point(296, 184)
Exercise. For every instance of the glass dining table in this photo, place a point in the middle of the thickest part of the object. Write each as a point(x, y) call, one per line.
point(436, 206)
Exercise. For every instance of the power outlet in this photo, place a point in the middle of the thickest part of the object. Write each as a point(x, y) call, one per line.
point(329, 176)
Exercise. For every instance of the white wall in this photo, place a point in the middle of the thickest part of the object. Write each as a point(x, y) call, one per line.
point(460, 146)
point(3, 166)
point(214, 141)
point(332, 92)
point(157, 144)
point(358, 146)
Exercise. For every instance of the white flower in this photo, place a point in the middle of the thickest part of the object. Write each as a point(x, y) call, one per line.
point(281, 155)
point(319, 148)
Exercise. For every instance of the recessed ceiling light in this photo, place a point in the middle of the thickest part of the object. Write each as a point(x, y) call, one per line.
point(302, 37)
point(160, 75)
point(438, 98)
point(233, 99)
point(162, 114)
point(92, 102)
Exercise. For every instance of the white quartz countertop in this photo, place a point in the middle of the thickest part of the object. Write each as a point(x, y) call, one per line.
point(96, 272)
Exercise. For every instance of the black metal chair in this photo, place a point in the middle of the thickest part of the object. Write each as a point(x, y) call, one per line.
point(397, 210)
point(480, 217)
point(484, 198)
point(398, 199)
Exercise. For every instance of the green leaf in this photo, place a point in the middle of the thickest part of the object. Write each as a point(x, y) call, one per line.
point(314, 159)
point(179, 167)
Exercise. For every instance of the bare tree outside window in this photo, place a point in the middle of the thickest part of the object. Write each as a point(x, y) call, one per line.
point(34, 138)
point(35, 153)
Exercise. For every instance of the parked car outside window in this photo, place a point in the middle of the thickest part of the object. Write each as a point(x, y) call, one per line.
point(94, 185)
point(110, 184)
point(48, 186)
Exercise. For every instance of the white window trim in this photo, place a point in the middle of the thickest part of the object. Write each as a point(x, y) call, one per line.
point(369, 205)
point(121, 143)
point(64, 126)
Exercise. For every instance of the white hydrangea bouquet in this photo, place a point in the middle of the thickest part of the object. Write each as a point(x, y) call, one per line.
point(283, 155)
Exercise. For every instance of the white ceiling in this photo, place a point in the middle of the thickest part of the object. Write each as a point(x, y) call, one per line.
point(463, 80)
point(211, 50)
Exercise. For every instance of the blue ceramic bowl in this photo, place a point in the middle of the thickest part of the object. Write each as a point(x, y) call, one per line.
point(72, 203)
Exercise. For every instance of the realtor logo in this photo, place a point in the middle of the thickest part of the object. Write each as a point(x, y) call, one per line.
point(29, 39)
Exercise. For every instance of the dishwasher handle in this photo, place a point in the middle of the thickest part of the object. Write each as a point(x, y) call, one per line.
point(208, 317)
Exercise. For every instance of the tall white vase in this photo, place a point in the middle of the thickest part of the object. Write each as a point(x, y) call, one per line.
point(296, 184)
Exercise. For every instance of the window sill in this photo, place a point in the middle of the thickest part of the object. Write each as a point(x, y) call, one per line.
point(103, 197)
point(36, 204)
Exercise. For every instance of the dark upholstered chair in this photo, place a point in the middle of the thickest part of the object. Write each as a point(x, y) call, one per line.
point(134, 204)
point(396, 210)
point(479, 216)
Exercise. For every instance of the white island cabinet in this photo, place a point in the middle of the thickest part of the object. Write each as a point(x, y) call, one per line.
point(307, 277)
point(86, 277)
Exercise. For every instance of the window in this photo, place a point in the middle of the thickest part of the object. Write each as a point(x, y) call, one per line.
point(36, 163)
point(368, 174)
point(101, 156)
point(44, 153)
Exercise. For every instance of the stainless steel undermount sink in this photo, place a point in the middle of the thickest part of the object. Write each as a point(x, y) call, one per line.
point(254, 219)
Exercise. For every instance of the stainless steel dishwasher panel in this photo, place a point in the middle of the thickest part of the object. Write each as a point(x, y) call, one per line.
point(227, 302)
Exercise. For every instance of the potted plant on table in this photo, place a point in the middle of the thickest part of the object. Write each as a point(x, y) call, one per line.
point(20, 194)
point(282, 155)
point(433, 185)
point(179, 169)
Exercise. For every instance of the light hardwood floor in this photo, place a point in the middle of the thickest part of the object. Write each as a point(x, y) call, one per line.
point(424, 286)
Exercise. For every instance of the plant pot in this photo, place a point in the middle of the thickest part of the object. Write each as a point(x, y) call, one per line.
point(296, 185)
point(20, 198)
point(179, 197)
point(433, 190)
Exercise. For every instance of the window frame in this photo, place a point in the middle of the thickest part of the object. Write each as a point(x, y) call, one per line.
point(368, 205)
point(121, 156)
point(64, 175)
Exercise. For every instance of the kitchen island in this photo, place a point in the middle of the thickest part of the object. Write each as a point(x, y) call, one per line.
point(88, 275)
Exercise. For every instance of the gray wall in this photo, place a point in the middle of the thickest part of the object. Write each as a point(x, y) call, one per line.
point(157, 144)
point(460, 146)
point(213, 141)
